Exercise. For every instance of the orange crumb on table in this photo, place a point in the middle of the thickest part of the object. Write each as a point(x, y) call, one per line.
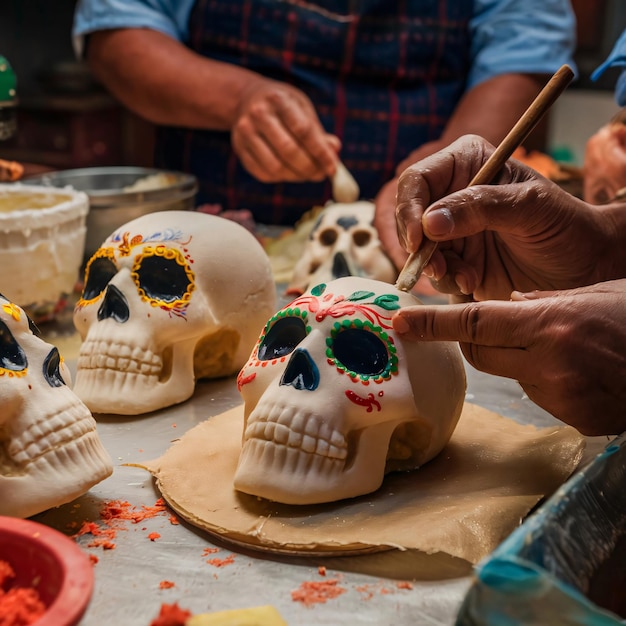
point(124, 510)
point(113, 515)
point(229, 560)
point(321, 570)
point(317, 592)
point(208, 551)
point(102, 543)
point(154, 536)
point(166, 584)
point(93, 559)
point(367, 591)
point(171, 615)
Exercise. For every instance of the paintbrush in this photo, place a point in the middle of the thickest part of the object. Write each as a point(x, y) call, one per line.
point(416, 262)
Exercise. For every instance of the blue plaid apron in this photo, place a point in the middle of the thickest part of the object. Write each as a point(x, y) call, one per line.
point(384, 76)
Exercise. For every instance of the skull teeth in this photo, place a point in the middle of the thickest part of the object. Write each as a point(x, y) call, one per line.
point(47, 434)
point(280, 461)
point(105, 355)
point(289, 427)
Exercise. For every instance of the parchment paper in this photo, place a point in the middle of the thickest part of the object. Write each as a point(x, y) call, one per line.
point(463, 503)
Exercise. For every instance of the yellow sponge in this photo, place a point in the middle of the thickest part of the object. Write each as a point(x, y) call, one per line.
point(257, 616)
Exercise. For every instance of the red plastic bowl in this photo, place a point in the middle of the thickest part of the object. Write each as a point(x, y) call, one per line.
point(51, 563)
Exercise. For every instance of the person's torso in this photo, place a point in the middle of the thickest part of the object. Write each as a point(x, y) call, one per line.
point(384, 77)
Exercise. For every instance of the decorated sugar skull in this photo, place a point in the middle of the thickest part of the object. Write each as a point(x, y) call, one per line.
point(50, 450)
point(343, 242)
point(334, 399)
point(169, 298)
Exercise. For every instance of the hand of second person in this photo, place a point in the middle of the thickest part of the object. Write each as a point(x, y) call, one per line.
point(521, 233)
point(278, 137)
point(567, 349)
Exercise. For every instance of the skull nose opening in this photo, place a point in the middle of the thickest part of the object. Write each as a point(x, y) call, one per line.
point(340, 266)
point(301, 372)
point(114, 306)
point(51, 369)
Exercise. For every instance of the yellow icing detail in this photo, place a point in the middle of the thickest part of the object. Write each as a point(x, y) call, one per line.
point(167, 253)
point(13, 310)
point(108, 253)
point(13, 374)
point(126, 245)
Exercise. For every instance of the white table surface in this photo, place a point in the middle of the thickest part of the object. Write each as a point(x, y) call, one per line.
point(127, 578)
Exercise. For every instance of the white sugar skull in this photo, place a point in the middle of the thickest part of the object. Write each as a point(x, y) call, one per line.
point(334, 399)
point(50, 452)
point(343, 242)
point(169, 298)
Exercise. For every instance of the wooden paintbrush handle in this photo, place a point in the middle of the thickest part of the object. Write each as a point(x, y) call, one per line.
point(545, 99)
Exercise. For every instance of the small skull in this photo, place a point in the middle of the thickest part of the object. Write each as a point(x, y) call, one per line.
point(169, 298)
point(50, 452)
point(343, 242)
point(334, 399)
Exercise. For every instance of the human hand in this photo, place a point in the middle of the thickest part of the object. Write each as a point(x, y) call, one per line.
point(567, 349)
point(278, 137)
point(521, 233)
point(604, 169)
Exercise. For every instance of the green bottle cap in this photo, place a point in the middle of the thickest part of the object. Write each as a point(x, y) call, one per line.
point(8, 93)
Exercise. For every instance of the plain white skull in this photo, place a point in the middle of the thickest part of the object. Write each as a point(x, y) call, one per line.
point(50, 452)
point(334, 399)
point(169, 298)
point(343, 242)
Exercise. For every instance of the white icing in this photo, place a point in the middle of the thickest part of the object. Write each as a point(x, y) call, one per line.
point(345, 400)
point(50, 450)
point(344, 236)
point(41, 249)
point(152, 358)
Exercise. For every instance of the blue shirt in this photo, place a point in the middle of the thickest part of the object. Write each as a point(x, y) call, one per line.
point(386, 80)
point(617, 58)
point(532, 36)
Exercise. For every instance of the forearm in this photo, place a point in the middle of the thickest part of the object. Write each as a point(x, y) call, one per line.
point(166, 82)
point(489, 110)
point(493, 107)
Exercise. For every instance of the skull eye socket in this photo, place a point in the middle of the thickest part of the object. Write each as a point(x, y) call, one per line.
point(282, 338)
point(361, 351)
point(328, 237)
point(99, 271)
point(361, 238)
point(163, 278)
point(12, 356)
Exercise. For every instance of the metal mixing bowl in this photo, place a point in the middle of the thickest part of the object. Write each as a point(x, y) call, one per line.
point(111, 205)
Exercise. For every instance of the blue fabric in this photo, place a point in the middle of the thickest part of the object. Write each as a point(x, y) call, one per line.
point(535, 36)
point(386, 79)
point(373, 82)
point(617, 58)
